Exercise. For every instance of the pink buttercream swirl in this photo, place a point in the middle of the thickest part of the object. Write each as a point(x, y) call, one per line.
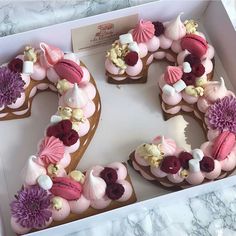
point(173, 74)
point(143, 31)
point(51, 150)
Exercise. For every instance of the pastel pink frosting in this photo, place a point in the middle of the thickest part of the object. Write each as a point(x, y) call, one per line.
point(51, 150)
point(173, 74)
point(143, 31)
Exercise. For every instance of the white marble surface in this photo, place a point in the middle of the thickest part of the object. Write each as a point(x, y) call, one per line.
point(18, 16)
point(205, 215)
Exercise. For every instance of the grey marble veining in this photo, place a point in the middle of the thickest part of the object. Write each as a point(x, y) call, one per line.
point(19, 16)
point(211, 214)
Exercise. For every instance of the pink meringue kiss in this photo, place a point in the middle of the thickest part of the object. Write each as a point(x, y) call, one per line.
point(18, 103)
point(175, 178)
point(128, 190)
point(143, 31)
point(159, 55)
point(158, 172)
point(89, 89)
point(69, 70)
point(111, 68)
point(172, 99)
point(216, 172)
point(52, 75)
point(143, 51)
point(153, 44)
point(188, 98)
point(176, 47)
point(100, 203)
point(140, 160)
point(61, 212)
point(50, 55)
point(18, 228)
point(89, 109)
point(83, 128)
point(80, 205)
point(51, 150)
point(165, 43)
point(39, 72)
point(136, 69)
point(195, 178)
point(229, 163)
point(86, 76)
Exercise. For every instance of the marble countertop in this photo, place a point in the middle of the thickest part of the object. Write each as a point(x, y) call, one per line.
point(211, 214)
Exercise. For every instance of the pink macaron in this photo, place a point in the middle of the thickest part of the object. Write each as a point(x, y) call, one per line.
point(195, 44)
point(66, 188)
point(69, 70)
point(223, 145)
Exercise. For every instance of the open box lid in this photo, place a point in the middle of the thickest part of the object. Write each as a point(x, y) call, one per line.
point(61, 36)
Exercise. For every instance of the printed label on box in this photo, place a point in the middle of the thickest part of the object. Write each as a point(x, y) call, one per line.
point(102, 33)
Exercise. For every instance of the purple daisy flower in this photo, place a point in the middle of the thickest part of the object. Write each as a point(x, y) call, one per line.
point(31, 207)
point(222, 114)
point(11, 86)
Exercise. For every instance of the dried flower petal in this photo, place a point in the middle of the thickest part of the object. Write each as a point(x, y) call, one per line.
point(11, 86)
point(222, 114)
point(31, 207)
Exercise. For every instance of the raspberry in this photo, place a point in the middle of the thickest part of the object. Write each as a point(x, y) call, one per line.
point(159, 28)
point(63, 130)
point(131, 58)
point(16, 65)
point(192, 60)
point(184, 157)
point(198, 70)
point(170, 164)
point(70, 138)
point(64, 126)
point(115, 191)
point(109, 175)
point(207, 164)
point(189, 78)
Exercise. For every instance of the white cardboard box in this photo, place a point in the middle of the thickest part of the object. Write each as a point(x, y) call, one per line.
point(139, 120)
